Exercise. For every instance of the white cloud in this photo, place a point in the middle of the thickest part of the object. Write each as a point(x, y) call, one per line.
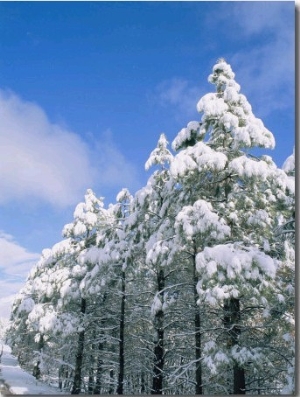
point(266, 68)
point(15, 264)
point(15, 260)
point(258, 42)
point(45, 161)
point(39, 159)
point(114, 169)
point(256, 18)
point(180, 94)
point(7, 301)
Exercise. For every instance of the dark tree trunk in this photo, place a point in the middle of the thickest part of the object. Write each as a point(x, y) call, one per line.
point(197, 323)
point(79, 355)
point(36, 369)
point(157, 377)
point(142, 382)
point(120, 388)
point(97, 388)
point(91, 382)
point(61, 373)
point(232, 317)
point(111, 377)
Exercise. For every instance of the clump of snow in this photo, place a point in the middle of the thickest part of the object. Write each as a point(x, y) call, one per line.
point(160, 155)
point(86, 216)
point(221, 68)
point(245, 354)
point(228, 270)
point(200, 219)
point(158, 252)
point(289, 164)
point(249, 168)
point(26, 305)
point(200, 158)
point(123, 195)
point(156, 306)
point(187, 134)
point(212, 106)
point(259, 218)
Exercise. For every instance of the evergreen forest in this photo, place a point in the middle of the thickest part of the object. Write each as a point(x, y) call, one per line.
point(184, 287)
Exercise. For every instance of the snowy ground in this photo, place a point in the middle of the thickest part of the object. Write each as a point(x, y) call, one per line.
point(13, 380)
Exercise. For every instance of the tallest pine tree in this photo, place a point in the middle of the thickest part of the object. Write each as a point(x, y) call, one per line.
point(216, 164)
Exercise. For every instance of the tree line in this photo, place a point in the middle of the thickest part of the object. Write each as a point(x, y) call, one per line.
point(185, 287)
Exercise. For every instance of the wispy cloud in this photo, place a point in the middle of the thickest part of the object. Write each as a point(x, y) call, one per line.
point(39, 159)
point(14, 259)
point(266, 69)
point(114, 169)
point(45, 161)
point(179, 93)
point(257, 39)
point(15, 264)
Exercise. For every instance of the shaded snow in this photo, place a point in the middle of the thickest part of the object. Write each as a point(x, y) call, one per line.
point(17, 380)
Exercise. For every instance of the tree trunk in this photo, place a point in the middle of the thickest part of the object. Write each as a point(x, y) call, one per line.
point(111, 383)
point(142, 382)
point(197, 323)
point(232, 317)
point(91, 382)
point(97, 388)
point(120, 388)
point(157, 377)
point(36, 369)
point(61, 373)
point(79, 355)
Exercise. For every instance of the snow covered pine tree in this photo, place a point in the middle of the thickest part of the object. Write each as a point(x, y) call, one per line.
point(250, 195)
point(187, 288)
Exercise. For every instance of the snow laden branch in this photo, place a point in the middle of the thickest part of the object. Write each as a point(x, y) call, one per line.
point(186, 287)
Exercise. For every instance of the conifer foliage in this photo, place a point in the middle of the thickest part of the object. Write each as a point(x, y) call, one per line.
point(187, 287)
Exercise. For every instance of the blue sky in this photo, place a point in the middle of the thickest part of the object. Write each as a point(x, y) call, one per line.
point(86, 88)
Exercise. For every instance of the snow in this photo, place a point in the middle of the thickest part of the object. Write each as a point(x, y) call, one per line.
point(17, 380)
point(156, 305)
point(212, 106)
point(123, 195)
point(61, 248)
point(79, 228)
point(221, 266)
point(229, 111)
point(259, 218)
point(199, 157)
point(26, 305)
point(249, 168)
point(200, 219)
point(243, 354)
point(160, 155)
point(186, 134)
point(221, 66)
point(289, 164)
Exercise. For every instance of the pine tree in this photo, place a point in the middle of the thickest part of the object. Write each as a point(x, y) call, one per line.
point(215, 166)
point(186, 288)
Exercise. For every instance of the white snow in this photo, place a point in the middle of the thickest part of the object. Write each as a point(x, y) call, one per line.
point(156, 305)
point(17, 380)
point(26, 305)
point(160, 155)
point(185, 134)
point(199, 157)
point(212, 106)
point(289, 164)
point(221, 266)
point(200, 219)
